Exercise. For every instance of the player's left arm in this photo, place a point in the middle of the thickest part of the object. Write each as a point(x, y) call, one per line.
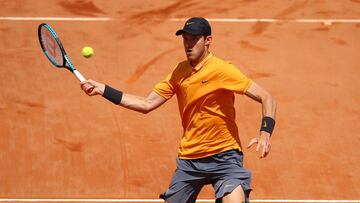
point(258, 93)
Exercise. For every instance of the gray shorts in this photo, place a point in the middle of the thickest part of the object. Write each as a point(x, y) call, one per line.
point(224, 171)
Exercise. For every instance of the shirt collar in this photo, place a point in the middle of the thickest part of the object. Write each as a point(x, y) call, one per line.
point(202, 62)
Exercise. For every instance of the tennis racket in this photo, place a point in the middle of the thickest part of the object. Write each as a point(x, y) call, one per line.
point(54, 50)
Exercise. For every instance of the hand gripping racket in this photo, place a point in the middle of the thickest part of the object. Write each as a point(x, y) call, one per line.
point(54, 50)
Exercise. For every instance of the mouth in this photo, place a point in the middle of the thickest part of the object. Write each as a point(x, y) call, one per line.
point(188, 52)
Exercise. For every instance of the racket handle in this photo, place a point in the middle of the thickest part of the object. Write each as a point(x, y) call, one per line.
point(79, 76)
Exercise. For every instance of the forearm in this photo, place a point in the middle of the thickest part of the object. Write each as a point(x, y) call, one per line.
point(269, 106)
point(269, 114)
point(135, 103)
point(132, 102)
point(260, 95)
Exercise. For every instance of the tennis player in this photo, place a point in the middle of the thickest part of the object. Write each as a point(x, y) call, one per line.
point(210, 151)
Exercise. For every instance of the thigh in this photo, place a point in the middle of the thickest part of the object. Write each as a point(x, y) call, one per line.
point(184, 188)
point(232, 180)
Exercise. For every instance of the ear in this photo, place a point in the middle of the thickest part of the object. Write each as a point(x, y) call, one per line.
point(208, 40)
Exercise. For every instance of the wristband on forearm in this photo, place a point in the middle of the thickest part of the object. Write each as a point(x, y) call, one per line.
point(112, 94)
point(267, 124)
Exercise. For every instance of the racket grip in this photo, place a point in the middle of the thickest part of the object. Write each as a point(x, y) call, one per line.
point(79, 76)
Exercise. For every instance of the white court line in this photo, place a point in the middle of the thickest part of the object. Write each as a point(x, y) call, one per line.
point(52, 19)
point(226, 20)
point(159, 200)
point(272, 20)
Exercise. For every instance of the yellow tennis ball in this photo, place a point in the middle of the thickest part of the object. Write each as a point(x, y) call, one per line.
point(87, 51)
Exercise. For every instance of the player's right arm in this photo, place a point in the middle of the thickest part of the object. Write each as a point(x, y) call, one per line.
point(132, 102)
point(142, 104)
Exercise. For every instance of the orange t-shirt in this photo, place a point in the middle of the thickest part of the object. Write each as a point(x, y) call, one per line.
point(205, 96)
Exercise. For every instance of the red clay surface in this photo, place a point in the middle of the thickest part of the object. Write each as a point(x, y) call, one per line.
point(56, 142)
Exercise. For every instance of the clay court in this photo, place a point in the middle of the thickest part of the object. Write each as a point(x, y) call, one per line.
point(58, 143)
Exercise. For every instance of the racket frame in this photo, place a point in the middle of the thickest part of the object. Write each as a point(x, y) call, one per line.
point(66, 60)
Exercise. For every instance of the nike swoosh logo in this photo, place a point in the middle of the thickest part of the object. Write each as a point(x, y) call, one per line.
point(265, 124)
point(189, 23)
point(204, 81)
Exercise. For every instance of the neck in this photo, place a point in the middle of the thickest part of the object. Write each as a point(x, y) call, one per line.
point(204, 55)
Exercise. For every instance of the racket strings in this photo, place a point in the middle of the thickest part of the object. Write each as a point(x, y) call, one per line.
point(51, 47)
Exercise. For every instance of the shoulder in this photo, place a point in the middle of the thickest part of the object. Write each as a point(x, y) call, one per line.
point(219, 61)
point(226, 69)
point(180, 70)
point(222, 65)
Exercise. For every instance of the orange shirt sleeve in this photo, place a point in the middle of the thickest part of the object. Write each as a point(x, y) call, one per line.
point(231, 78)
point(165, 88)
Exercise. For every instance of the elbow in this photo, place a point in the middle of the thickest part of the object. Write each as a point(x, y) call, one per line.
point(146, 109)
point(269, 99)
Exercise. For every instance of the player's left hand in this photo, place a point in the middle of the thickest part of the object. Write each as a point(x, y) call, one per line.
point(263, 141)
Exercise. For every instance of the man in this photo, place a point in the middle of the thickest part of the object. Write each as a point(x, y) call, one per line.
point(210, 150)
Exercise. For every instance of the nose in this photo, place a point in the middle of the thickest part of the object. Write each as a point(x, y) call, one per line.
point(189, 44)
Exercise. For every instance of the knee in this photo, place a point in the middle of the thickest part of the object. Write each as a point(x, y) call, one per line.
point(236, 196)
